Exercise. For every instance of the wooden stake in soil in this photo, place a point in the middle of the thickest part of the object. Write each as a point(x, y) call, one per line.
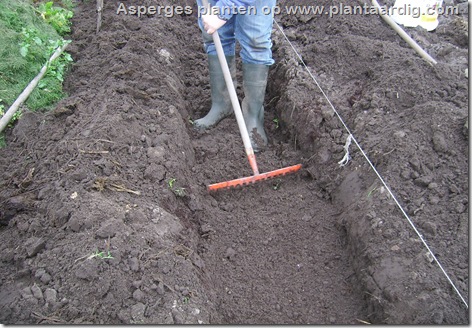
point(25, 94)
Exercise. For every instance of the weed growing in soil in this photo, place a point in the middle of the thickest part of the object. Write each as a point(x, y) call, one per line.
point(101, 255)
point(276, 184)
point(171, 182)
point(371, 192)
point(277, 122)
point(178, 191)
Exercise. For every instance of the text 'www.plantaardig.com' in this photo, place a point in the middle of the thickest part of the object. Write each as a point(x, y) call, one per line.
point(332, 10)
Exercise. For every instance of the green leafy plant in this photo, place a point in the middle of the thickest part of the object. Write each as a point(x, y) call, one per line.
point(29, 38)
point(170, 183)
point(58, 67)
point(101, 255)
point(30, 49)
point(277, 122)
point(57, 17)
point(178, 191)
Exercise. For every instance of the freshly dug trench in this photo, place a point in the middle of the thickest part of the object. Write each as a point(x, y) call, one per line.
point(398, 279)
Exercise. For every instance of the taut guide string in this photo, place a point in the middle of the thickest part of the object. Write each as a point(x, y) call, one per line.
point(372, 166)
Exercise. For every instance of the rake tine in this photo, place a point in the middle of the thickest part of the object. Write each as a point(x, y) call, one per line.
point(254, 178)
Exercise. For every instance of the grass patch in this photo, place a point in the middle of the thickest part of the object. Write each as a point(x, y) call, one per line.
point(29, 34)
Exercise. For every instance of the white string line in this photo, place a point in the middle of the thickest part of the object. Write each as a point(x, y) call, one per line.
point(372, 166)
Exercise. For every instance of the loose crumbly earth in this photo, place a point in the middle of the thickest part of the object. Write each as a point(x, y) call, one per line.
point(105, 216)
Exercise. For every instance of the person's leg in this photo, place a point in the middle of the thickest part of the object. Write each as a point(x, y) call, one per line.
point(253, 31)
point(254, 86)
point(220, 100)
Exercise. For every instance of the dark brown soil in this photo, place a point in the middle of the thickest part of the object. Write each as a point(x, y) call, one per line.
point(117, 169)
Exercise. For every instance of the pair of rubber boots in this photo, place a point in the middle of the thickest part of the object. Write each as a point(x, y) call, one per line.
point(254, 86)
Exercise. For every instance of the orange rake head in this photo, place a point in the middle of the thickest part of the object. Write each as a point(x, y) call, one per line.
point(254, 178)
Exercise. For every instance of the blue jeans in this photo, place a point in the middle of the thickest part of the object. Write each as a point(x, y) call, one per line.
point(252, 30)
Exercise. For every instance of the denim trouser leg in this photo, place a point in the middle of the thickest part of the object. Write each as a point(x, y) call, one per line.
point(252, 30)
point(226, 32)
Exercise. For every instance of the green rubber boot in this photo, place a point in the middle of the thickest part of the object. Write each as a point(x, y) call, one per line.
point(220, 101)
point(254, 85)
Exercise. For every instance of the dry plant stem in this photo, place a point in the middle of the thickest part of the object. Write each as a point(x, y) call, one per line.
point(93, 151)
point(81, 258)
point(99, 14)
point(405, 36)
point(27, 91)
point(42, 318)
point(116, 187)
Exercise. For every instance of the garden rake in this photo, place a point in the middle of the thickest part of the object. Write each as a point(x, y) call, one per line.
point(242, 129)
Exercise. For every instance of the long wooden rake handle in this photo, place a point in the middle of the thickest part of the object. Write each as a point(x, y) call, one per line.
point(234, 100)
